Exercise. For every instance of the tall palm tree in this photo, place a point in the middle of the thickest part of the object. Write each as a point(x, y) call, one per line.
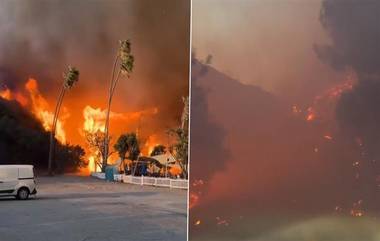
point(70, 77)
point(123, 65)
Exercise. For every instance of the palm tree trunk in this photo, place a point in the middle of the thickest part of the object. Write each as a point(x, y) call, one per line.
point(55, 126)
point(115, 82)
point(106, 127)
point(134, 169)
point(52, 131)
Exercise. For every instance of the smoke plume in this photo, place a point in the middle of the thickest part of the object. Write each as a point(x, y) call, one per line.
point(353, 28)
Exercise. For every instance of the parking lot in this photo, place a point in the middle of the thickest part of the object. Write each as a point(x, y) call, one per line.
point(73, 208)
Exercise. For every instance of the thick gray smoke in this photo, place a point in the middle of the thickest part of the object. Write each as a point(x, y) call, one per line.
point(355, 33)
point(39, 38)
point(207, 137)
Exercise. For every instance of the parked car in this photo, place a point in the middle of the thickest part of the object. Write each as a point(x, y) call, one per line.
point(18, 181)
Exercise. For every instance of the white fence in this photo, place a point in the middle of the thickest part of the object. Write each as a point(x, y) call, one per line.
point(100, 175)
point(149, 181)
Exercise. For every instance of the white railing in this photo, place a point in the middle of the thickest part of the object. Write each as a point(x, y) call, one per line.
point(149, 181)
point(100, 175)
point(156, 181)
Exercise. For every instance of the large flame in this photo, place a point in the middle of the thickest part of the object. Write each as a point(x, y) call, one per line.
point(40, 108)
point(37, 105)
point(94, 120)
point(91, 121)
point(9, 95)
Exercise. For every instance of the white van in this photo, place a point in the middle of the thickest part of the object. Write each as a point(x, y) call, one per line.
point(17, 181)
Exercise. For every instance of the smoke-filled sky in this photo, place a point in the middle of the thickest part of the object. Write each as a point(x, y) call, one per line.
point(266, 43)
point(40, 38)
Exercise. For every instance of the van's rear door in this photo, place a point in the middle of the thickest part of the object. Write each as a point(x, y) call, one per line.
point(8, 179)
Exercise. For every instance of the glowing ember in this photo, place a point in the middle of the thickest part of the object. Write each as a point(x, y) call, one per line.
point(198, 222)
point(296, 110)
point(199, 182)
point(194, 200)
point(324, 105)
point(311, 115)
point(356, 213)
point(356, 210)
point(220, 221)
point(328, 137)
point(338, 209)
point(5, 94)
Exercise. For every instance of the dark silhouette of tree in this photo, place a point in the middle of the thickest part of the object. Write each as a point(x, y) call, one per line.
point(23, 140)
point(123, 65)
point(70, 77)
point(128, 144)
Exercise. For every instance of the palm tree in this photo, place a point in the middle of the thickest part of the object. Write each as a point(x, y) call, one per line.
point(128, 143)
point(181, 133)
point(70, 77)
point(125, 60)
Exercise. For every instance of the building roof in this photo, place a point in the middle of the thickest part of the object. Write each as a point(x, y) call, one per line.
point(164, 159)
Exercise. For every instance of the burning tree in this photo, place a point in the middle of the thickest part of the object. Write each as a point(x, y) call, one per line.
point(96, 142)
point(124, 61)
point(70, 77)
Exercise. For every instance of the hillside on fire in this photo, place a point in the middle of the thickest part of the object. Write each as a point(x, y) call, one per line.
point(279, 158)
point(23, 140)
point(96, 76)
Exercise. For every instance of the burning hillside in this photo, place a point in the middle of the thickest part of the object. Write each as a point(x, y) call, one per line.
point(93, 119)
point(278, 159)
point(33, 57)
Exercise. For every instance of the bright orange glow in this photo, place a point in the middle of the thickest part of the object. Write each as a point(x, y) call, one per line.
point(175, 170)
point(310, 117)
point(94, 120)
point(40, 108)
point(9, 95)
point(89, 119)
point(6, 94)
point(323, 105)
point(150, 143)
point(21, 99)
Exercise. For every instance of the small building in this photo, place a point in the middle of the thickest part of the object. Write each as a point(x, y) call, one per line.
point(170, 164)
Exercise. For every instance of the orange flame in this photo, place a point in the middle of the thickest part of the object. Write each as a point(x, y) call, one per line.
point(40, 108)
point(95, 118)
point(194, 200)
point(9, 95)
point(6, 94)
point(323, 103)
